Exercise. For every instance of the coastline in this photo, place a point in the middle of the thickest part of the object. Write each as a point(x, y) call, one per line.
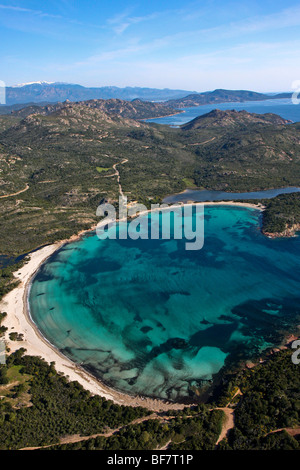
point(159, 117)
point(208, 202)
point(18, 319)
point(287, 233)
point(249, 205)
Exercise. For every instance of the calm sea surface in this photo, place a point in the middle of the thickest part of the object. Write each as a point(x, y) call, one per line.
point(283, 107)
point(148, 317)
point(198, 195)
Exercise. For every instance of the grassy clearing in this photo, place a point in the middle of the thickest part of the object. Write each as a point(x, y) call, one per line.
point(190, 184)
point(16, 392)
point(100, 169)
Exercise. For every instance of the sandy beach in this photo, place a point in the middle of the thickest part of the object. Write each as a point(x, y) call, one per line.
point(250, 205)
point(18, 320)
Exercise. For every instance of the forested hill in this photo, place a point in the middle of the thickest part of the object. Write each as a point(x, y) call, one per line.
point(135, 109)
point(222, 96)
point(218, 118)
point(282, 215)
point(56, 168)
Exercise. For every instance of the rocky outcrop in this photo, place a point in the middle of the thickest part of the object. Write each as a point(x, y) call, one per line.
point(290, 231)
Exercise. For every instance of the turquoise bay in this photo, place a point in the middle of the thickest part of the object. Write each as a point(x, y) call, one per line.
point(148, 317)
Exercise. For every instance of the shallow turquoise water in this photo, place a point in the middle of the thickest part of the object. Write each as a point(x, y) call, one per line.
point(149, 317)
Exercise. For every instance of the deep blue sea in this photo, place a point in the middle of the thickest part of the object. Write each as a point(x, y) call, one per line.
point(283, 107)
point(148, 317)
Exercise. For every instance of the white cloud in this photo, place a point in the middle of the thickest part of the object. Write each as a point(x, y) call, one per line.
point(28, 10)
point(123, 20)
point(203, 58)
point(286, 18)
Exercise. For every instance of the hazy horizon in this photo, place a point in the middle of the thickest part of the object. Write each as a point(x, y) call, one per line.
point(201, 45)
point(16, 85)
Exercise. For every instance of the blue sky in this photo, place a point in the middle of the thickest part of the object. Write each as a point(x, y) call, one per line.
point(192, 45)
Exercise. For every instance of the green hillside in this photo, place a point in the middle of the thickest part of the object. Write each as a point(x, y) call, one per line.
point(222, 96)
point(51, 163)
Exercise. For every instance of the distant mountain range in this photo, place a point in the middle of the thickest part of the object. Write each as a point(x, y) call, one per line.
point(222, 96)
point(54, 92)
point(61, 162)
point(45, 92)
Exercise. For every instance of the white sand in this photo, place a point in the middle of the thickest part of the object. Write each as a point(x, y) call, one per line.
point(15, 304)
point(18, 320)
point(258, 206)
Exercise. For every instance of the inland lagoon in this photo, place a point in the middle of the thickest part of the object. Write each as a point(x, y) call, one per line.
point(148, 317)
point(203, 195)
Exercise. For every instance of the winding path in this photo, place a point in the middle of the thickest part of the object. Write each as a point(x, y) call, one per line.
point(227, 425)
point(77, 438)
point(15, 194)
point(117, 174)
point(205, 142)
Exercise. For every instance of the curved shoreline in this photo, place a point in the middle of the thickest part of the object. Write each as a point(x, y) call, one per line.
point(18, 319)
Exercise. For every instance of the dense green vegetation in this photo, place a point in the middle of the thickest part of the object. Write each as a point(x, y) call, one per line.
point(54, 158)
point(57, 407)
point(40, 407)
point(282, 213)
point(7, 279)
point(270, 401)
point(3, 328)
point(181, 433)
